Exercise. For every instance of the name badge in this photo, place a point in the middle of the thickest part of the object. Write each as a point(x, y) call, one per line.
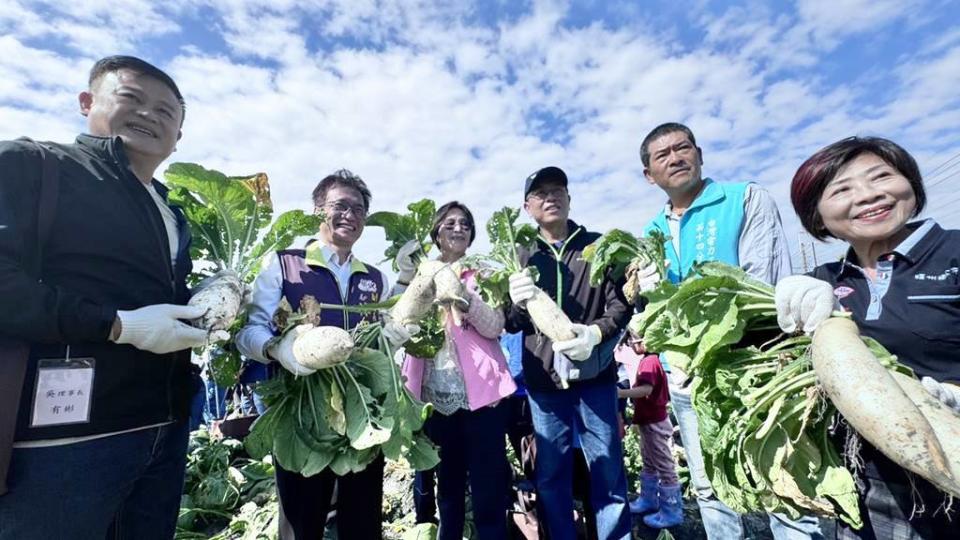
point(63, 391)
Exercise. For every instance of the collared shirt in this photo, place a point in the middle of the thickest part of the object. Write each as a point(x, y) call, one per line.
point(762, 250)
point(913, 306)
point(266, 296)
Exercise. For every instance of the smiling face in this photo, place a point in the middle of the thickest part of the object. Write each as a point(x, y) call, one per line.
point(453, 235)
point(141, 110)
point(868, 200)
point(548, 203)
point(345, 217)
point(675, 163)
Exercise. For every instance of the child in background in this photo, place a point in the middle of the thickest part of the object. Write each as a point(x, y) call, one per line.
point(659, 484)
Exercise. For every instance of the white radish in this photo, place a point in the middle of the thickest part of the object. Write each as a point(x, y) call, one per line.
point(322, 346)
point(548, 317)
point(874, 404)
point(417, 299)
point(945, 422)
point(223, 300)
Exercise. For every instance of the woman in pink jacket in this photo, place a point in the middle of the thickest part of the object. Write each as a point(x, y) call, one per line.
point(465, 381)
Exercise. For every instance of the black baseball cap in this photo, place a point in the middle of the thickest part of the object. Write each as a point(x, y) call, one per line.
point(546, 174)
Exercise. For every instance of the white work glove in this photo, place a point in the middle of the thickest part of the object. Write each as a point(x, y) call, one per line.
point(282, 351)
point(580, 347)
point(802, 303)
point(404, 261)
point(947, 394)
point(521, 287)
point(398, 334)
point(158, 328)
point(649, 277)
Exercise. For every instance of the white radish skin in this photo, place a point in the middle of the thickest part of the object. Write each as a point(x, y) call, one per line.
point(548, 317)
point(945, 423)
point(222, 299)
point(417, 300)
point(874, 404)
point(323, 347)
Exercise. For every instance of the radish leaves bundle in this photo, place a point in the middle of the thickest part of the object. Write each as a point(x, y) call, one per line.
point(401, 228)
point(230, 218)
point(345, 414)
point(624, 254)
point(764, 422)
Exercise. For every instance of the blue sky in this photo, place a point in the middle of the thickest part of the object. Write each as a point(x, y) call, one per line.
point(464, 100)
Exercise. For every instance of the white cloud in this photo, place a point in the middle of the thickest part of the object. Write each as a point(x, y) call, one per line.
point(421, 101)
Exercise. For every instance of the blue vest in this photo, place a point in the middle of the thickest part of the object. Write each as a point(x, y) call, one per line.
point(709, 229)
point(305, 272)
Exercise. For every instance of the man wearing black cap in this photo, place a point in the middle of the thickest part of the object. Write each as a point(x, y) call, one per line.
point(571, 384)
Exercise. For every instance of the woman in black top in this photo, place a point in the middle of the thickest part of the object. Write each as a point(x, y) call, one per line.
point(899, 282)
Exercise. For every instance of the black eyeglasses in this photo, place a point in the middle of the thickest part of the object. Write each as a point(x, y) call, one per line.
point(451, 224)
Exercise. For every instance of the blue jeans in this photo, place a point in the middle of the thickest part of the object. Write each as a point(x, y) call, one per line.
point(593, 408)
point(471, 446)
point(118, 487)
point(719, 521)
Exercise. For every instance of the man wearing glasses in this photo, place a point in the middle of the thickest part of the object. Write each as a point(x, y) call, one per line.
point(327, 270)
point(587, 409)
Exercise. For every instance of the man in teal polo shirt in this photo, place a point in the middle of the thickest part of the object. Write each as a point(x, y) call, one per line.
point(736, 223)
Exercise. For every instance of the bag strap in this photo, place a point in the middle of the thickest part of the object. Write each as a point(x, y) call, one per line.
point(14, 354)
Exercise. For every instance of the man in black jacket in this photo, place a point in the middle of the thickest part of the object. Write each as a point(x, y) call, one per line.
point(101, 428)
point(571, 384)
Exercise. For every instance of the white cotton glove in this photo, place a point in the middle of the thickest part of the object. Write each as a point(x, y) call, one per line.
point(521, 287)
point(404, 261)
point(948, 394)
point(649, 277)
point(803, 303)
point(580, 347)
point(282, 351)
point(398, 334)
point(158, 328)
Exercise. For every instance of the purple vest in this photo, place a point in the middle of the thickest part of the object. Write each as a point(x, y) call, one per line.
point(300, 279)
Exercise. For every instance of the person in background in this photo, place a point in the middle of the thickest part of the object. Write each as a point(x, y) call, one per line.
point(103, 456)
point(899, 281)
point(735, 223)
point(465, 382)
point(659, 483)
point(328, 270)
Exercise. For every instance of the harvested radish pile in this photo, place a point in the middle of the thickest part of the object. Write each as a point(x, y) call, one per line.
point(347, 413)
point(624, 254)
point(764, 419)
point(230, 218)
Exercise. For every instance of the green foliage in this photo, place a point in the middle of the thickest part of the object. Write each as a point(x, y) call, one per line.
point(220, 481)
point(495, 268)
point(617, 249)
point(764, 423)
point(401, 228)
point(227, 215)
point(342, 417)
point(230, 218)
point(429, 340)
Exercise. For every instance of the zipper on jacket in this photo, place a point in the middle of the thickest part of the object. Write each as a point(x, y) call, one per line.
point(558, 255)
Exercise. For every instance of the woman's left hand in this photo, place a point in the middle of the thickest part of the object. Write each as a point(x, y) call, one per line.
point(948, 394)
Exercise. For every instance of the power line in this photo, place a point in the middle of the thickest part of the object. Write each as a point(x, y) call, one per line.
point(943, 175)
point(938, 167)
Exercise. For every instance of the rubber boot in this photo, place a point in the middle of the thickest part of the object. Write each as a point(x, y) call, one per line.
point(671, 509)
point(649, 499)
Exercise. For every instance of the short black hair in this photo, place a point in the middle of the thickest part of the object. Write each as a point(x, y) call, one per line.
point(343, 178)
point(658, 132)
point(442, 213)
point(114, 63)
point(818, 170)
